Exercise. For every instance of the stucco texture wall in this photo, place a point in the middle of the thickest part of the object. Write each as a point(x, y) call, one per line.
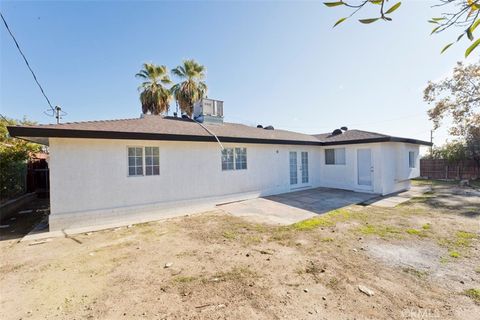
point(89, 177)
point(92, 174)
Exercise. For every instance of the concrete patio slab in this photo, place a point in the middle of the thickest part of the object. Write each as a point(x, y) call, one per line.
point(394, 200)
point(292, 207)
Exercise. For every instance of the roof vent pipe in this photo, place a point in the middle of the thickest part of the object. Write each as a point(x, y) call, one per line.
point(259, 126)
point(336, 132)
point(344, 128)
point(269, 128)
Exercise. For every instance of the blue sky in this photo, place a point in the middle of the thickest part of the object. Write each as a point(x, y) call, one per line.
point(277, 63)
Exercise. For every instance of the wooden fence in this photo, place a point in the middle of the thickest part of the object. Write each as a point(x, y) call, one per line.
point(441, 169)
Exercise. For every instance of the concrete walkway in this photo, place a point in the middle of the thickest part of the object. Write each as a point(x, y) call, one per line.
point(292, 207)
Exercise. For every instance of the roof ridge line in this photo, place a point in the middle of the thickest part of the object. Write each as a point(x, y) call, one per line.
point(80, 122)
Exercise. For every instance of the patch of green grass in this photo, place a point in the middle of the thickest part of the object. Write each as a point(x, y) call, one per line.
point(427, 226)
point(413, 231)
point(184, 279)
point(380, 230)
point(313, 223)
point(231, 235)
point(473, 294)
point(415, 272)
point(251, 239)
point(420, 233)
point(464, 239)
point(282, 235)
point(238, 273)
point(329, 219)
point(328, 239)
point(444, 260)
point(454, 254)
point(419, 199)
point(432, 182)
point(460, 242)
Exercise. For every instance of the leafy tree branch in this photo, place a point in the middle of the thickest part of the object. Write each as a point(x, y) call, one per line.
point(459, 14)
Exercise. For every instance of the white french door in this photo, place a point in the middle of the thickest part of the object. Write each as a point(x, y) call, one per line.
point(299, 176)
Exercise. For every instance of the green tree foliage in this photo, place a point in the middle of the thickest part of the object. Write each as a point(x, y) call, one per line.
point(473, 144)
point(192, 88)
point(459, 14)
point(456, 97)
point(453, 152)
point(154, 96)
point(13, 156)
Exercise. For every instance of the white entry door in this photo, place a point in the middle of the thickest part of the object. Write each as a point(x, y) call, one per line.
point(364, 168)
point(299, 176)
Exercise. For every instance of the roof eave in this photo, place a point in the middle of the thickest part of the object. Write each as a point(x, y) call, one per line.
point(376, 140)
point(98, 134)
point(31, 133)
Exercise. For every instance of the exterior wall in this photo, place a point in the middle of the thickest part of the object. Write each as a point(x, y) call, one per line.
point(89, 176)
point(396, 173)
point(346, 176)
point(89, 182)
point(391, 172)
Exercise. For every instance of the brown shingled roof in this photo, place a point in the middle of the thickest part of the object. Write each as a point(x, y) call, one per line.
point(151, 127)
point(360, 136)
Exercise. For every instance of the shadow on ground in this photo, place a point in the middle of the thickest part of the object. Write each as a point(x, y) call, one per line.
point(464, 201)
point(296, 206)
point(27, 217)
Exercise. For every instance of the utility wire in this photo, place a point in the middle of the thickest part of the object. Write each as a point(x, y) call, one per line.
point(4, 118)
point(26, 61)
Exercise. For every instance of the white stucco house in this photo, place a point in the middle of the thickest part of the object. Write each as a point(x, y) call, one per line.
point(102, 171)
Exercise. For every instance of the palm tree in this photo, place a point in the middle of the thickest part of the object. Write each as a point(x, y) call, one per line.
point(192, 88)
point(155, 97)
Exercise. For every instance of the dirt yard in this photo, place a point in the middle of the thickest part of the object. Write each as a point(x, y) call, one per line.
point(421, 260)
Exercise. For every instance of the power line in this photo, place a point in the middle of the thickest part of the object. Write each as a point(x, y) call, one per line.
point(4, 118)
point(26, 62)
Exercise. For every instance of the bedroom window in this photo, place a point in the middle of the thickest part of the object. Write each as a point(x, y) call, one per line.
point(143, 161)
point(135, 161)
point(335, 156)
point(227, 159)
point(411, 159)
point(234, 159)
point(240, 158)
point(152, 161)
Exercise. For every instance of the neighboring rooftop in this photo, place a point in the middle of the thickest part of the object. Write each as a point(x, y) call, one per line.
point(151, 127)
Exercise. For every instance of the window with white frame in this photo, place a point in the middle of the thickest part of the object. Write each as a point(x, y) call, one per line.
point(152, 161)
point(135, 161)
point(411, 159)
point(234, 159)
point(143, 161)
point(335, 156)
point(227, 159)
point(240, 158)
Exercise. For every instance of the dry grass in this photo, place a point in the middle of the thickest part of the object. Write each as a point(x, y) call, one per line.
point(226, 267)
